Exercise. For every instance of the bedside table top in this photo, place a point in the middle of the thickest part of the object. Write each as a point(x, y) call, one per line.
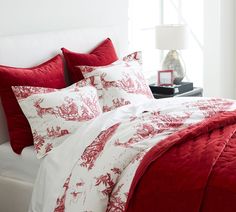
point(197, 91)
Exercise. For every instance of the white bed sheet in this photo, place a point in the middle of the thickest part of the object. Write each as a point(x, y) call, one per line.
point(22, 167)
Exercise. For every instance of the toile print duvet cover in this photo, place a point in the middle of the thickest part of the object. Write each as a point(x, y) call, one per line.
point(101, 166)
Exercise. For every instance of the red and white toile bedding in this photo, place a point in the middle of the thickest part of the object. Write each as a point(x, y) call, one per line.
point(101, 166)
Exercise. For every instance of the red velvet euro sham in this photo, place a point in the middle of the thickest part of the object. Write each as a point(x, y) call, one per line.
point(103, 54)
point(49, 74)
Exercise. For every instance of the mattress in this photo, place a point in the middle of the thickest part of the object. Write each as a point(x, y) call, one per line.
point(22, 167)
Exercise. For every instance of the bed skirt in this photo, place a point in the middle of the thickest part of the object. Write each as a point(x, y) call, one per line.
point(15, 195)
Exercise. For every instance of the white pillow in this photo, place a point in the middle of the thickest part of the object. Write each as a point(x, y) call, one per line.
point(54, 114)
point(121, 83)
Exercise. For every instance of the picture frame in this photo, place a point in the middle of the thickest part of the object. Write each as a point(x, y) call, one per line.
point(165, 78)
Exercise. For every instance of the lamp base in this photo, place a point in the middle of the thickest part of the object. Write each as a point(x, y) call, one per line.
point(173, 61)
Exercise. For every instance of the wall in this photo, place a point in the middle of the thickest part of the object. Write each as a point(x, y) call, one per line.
point(219, 48)
point(28, 16)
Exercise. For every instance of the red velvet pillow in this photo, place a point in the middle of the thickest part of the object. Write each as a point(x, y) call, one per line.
point(49, 74)
point(103, 54)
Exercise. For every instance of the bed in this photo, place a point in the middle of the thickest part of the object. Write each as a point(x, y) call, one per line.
point(104, 142)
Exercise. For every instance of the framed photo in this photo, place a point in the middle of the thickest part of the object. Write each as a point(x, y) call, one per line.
point(165, 78)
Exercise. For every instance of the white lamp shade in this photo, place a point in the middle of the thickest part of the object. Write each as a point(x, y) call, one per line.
point(171, 37)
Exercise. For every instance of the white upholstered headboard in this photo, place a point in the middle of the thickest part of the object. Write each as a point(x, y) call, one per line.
point(30, 50)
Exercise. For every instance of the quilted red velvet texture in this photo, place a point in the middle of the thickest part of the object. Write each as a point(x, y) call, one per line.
point(103, 54)
point(49, 74)
point(192, 170)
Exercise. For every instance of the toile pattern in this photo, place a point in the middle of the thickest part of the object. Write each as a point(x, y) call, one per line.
point(53, 114)
point(122, 82)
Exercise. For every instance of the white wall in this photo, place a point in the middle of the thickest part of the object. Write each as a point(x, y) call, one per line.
point(29, 16)
point(219, 48)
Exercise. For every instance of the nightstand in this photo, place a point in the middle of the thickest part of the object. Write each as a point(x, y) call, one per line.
point(195, 92)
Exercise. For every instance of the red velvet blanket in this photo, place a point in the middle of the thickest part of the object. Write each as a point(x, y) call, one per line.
point(192, 170)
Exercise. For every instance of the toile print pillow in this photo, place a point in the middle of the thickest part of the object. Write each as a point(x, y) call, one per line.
point(135, 56)
point(54, 114)
point(122, 83)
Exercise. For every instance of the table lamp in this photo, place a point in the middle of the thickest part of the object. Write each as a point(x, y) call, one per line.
point(173, 38)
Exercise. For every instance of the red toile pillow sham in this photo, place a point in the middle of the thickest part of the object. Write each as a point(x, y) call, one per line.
point(54, 114)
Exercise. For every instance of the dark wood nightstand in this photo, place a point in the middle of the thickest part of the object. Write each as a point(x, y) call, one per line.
point(195, 92)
